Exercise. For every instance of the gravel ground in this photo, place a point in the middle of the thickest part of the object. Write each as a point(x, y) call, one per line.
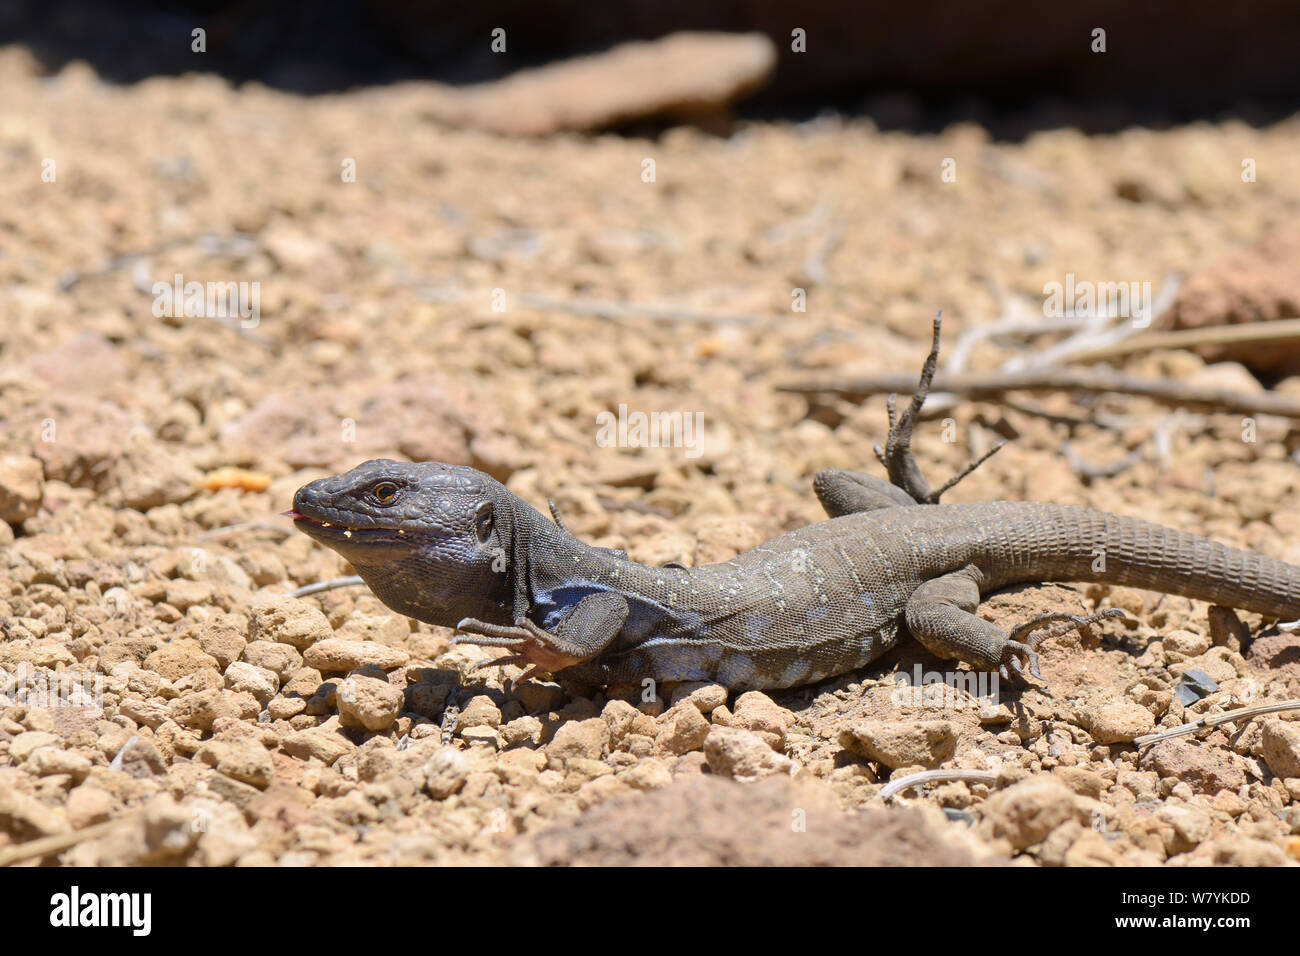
point(165, 702)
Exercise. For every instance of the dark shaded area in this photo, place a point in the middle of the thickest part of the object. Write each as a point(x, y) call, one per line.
point(1017, 64)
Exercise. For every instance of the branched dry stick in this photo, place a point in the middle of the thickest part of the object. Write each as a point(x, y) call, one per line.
point(951, 482)
point(1109, 422)
point(240, 245)
point(813, 221)
point(1214, 720)
point(897, 456)
point(1005, 327)
point(995, 384)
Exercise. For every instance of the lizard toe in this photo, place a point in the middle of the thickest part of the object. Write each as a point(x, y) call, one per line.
point(1012, 654)
point(500, 662)
point(487, 640)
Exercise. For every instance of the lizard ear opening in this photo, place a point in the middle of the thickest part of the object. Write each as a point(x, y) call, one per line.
point(483, 521)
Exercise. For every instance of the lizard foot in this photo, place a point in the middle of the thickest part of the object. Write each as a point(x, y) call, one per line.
point(531, 643)
point(1023, 641)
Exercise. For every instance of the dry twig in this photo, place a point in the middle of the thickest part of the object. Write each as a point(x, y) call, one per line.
point(47, 846)
point(996, 384)
point(1214, 720)
point(330, 585)
point(929, 776)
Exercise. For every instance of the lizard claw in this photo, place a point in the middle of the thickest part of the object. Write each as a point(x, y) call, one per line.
point(484, 634)
point(517, 659)
point(1011, 655)
point(500, 662)
point(1032, 633)
point(531, 644)
point(484, 640)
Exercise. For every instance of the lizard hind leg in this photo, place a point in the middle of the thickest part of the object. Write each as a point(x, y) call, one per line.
point(850, 492)
point(940, 614)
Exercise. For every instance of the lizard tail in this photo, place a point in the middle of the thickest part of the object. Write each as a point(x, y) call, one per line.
point(1065, 543)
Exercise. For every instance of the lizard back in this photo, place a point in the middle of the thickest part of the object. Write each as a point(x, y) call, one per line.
point(829, 597)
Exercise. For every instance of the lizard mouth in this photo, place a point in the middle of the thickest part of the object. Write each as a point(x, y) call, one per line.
point(322, 528)
point(300, 518)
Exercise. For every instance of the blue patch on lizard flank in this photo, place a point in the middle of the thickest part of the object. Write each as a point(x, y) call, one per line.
point(645, 618)
point(736, 669)
point(678, 663)
point(795, 672)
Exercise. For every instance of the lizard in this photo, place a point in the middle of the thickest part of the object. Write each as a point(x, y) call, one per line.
point(452, 546)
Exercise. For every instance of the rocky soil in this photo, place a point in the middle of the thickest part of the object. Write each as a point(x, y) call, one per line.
point(165, 702)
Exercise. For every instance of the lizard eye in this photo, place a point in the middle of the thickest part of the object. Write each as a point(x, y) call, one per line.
point(384, 492)
point(483, 522)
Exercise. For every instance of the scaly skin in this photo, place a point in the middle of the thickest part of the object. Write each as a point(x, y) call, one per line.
point(453, 544)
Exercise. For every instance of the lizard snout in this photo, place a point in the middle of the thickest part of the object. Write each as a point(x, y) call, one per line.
point(306, 499)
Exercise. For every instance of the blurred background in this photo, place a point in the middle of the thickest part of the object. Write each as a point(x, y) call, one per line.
point(462, 232)
point(914, 64)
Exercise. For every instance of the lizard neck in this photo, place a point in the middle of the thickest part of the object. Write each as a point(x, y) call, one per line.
point(429, 590)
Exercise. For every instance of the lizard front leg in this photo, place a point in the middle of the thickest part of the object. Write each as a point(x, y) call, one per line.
point(940, 614)
point(585, 631)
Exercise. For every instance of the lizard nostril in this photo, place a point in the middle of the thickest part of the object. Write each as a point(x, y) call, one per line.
point(306, 496)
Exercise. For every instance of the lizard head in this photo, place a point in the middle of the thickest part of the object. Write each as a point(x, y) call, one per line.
point(423, 535)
